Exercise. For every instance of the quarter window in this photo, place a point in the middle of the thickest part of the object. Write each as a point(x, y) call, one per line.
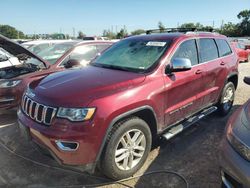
point(208, 50)
point(188, 50)
point(224, 48)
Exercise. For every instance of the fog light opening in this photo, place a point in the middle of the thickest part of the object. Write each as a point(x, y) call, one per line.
point(67, 145)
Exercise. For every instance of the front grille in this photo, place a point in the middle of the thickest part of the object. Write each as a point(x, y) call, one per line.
point(40, 113)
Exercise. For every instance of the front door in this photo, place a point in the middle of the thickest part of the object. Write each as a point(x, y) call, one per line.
point(182, 88)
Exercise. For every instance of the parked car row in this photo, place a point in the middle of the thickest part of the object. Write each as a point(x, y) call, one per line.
point(242, 51)
point(37, 46)
point(15, 77)
point(109, 111)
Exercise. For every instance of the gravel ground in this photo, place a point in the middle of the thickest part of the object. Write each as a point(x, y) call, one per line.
point(193, 154)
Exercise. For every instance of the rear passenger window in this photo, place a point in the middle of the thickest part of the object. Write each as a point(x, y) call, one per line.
point(208, 50)
point(187, 50)
point(224, 48)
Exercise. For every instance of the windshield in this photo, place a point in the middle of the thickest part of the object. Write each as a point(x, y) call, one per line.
point(54, 52)
point(136, 55)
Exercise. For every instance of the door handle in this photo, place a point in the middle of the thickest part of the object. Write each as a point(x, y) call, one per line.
point(198, 71)
point(222, 63)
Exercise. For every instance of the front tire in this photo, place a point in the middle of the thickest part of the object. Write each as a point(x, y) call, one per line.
point(226, 100)
point(127, 148)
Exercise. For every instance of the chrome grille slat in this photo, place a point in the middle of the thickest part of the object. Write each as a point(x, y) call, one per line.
point(30, 108)
point(38, 112)
point(26, 106)
point(44, 114)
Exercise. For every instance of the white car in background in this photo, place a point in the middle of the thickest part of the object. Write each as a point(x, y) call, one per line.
point(37, 46)
point(7, 60)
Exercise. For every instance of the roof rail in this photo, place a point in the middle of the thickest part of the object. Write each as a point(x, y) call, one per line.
point(180, 29)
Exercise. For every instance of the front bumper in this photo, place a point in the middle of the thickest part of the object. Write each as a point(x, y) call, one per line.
point(84, 156)
point(235, 170)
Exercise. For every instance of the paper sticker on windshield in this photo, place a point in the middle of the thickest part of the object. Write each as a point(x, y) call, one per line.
point(155, 43)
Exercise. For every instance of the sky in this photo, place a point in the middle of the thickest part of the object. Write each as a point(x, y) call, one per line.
point(93, 16)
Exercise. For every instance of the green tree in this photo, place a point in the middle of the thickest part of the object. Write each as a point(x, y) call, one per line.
point(197, 25)
point(161, 27)
point(57, 36)
point(109, 34)
point(80, 35)
point(122, 33)
point(11, 32)
point(244, 16)
point(137, 32)
point(231, 30)
point(188, 25)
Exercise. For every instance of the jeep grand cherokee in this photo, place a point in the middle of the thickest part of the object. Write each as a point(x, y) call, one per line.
point(109, 113)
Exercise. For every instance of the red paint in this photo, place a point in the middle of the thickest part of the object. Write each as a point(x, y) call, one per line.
point(242, 53)
point(17, 92)
point(115, 92)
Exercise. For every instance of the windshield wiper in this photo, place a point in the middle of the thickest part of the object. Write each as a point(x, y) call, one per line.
point(113, 67)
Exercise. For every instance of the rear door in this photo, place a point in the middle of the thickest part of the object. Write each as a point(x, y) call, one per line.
point(215, 54)
point(182, 88)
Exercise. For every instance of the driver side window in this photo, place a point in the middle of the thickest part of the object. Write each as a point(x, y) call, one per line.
point(188, 50)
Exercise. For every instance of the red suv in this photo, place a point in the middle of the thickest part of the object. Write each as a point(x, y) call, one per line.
point(109, 113)
point(14, 79)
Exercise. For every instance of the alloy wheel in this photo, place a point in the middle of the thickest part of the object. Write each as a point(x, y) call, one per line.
point(130, 149)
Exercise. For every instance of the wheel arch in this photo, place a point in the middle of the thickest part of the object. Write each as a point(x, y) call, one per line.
point(233, 77)
point(146, 113)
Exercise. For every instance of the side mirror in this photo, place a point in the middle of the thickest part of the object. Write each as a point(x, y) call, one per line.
point(72, 63)
point(179, 65)
point(247, 80)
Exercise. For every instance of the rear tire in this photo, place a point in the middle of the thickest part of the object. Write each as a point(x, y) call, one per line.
point(127, 148)
point(226, 100)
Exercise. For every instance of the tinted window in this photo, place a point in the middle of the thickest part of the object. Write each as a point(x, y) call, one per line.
point(208, 50)
point(102, 47)
point(223, 47)
point(136, 55)
point(187, 50)
point(54, 52)
point(83, 54)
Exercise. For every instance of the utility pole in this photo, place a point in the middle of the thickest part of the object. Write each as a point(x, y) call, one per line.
point(222, 24)
point(74, 33)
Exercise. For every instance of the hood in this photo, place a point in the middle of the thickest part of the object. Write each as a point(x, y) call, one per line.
point(16, 49)
point(77, 88)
